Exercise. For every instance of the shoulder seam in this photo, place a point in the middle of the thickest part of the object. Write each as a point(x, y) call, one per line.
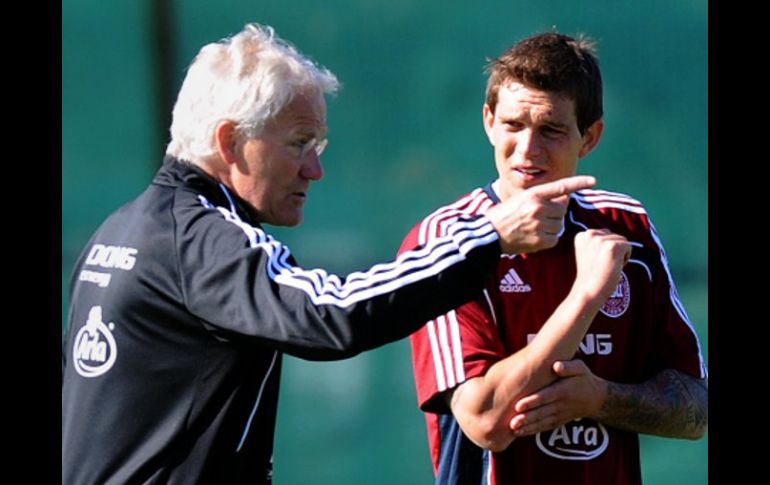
point(603, 199)
point(473, 203)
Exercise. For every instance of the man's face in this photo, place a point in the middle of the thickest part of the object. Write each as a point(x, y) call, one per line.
point(273, 175)
point(535, 137)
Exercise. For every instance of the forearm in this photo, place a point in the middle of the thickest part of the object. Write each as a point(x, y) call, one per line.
point(484, 406)
point(531, 368)
point(671, 404)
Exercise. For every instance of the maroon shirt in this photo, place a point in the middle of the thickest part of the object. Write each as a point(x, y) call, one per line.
point(641, 330)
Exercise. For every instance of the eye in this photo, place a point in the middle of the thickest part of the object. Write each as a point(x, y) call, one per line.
point(299, 145)
point(551, 132)
point(300, 142)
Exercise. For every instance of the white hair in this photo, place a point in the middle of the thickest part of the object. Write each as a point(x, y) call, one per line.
point(247, 78)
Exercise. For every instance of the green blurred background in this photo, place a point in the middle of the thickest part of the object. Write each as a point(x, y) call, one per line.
point(405, 137)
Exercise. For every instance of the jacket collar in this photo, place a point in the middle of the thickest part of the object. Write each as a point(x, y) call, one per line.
point(180, 173)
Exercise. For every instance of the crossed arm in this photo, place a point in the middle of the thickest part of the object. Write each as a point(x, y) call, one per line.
point(484, 405)
point(537, 389)
point(671, 404)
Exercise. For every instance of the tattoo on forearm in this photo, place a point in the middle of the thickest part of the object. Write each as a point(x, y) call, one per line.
point(670, 404)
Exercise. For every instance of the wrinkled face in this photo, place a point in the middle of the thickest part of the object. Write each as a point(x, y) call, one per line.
point(274, 172)
point(535, 137)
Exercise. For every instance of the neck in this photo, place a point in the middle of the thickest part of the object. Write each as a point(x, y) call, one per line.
point(216, 168)
point(496, 186)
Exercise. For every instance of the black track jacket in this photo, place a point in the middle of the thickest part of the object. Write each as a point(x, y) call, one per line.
point(181, 306)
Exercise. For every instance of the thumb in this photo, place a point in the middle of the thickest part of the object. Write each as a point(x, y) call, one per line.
point(569, 368)
point(551, 190)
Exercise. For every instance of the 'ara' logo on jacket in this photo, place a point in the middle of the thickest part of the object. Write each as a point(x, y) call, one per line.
point(94, 351)
point(581, 439)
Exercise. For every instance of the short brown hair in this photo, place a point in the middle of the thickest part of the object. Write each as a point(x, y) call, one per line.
point(556, 63)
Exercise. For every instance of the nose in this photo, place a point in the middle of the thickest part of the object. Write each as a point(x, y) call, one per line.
point(528, 145)
point(312, 169)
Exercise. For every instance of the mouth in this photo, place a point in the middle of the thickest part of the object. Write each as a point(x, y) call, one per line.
point(528, 173)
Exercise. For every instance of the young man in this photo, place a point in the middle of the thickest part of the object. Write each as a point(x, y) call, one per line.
point(477, 368)
point(181, 304)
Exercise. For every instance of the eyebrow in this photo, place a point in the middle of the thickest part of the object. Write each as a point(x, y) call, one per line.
point(310, 131)
point(548, 122)
point(555, 124)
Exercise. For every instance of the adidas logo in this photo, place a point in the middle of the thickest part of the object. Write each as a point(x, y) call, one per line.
point(512, 283)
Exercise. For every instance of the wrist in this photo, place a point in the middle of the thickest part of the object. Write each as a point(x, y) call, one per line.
point(601, 402)
point(589, 302)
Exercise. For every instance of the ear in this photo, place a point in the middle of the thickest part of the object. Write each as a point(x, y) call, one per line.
point(225, 140)
point(488, 119)
point(591, 138)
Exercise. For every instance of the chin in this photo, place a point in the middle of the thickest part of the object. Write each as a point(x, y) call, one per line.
point(290, 221)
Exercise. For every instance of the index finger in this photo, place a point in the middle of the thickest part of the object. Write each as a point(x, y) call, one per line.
point(557, 188)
